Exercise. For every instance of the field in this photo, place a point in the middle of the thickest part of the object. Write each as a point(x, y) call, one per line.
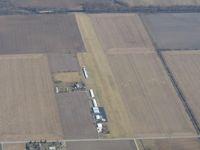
point(28, 108)
point(13, 146)
point(159, 2)
point(77, 4)
point(59, 62)
point(121, 33)
point(75, 116)
point(174, 31)
point(70, 4)
point(40, 33)
point(67, 77)
point(134, 89)
point(169, 144)
point(101, 145)
point(185, 69)
point(152, 105)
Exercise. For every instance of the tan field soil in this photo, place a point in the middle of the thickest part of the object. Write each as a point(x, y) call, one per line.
point(170, 144)
point(153, 106)
point(185, 66)
point(67, 77)
point(121, 32)
point(28, 109)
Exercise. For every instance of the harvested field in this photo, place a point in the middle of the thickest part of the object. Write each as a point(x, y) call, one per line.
point(151, 102)
point(73, 4)
point(118, 32)
point(134, 89)
point(67, 77)
point(101, 145)
point(174, 31)
point(75, 115)
point(39, 34)
point(63, 62)
point(159, 2)
point(170, 144)
point(184, 66)
point(26, 89)
point(14, 147)
point(70, 4)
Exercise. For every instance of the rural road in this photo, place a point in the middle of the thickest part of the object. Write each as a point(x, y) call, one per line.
point(110, 139)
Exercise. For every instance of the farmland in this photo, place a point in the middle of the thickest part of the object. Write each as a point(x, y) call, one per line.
point(121, 32)
point(101, 145)
point(13, 146)
point(159, 2)
point(132, 86)
point(59, 62)
point(41, 33)
point(104, 81)
point(148, 95)
point(69, 4)
point(75, 115)
point(26, 89)
point(186, 75)
point(170, 144)
point(174, 31)
point(67, 77)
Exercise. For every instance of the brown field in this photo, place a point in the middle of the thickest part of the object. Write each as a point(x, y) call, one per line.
point(101, 145)
point(160, 2)
point(63, 62)
point(152, 105)
point(48, 3)
point(13, 147)
point(169, 144)
point(70, 4)
point(75, 115)
point(134, 89)
point(28, 108)
point(165, 31)
point(67, 77)
point(185, 66)
point(119, 32)
point(39, 34)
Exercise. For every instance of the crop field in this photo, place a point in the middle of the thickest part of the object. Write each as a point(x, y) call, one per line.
point(151, 102)
point(78, 4)
point(73, 4)
point(184, 66)
point(39, 34)
point(170, 144)
point(134, 89)
point(13, 146)
point(75, 115)
point(70, 4)
point(174, 31)
point(26, 89)
point(121, 33)
point(67, 77)
point(101, 145)
point(159, 2)
point(63, 62)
